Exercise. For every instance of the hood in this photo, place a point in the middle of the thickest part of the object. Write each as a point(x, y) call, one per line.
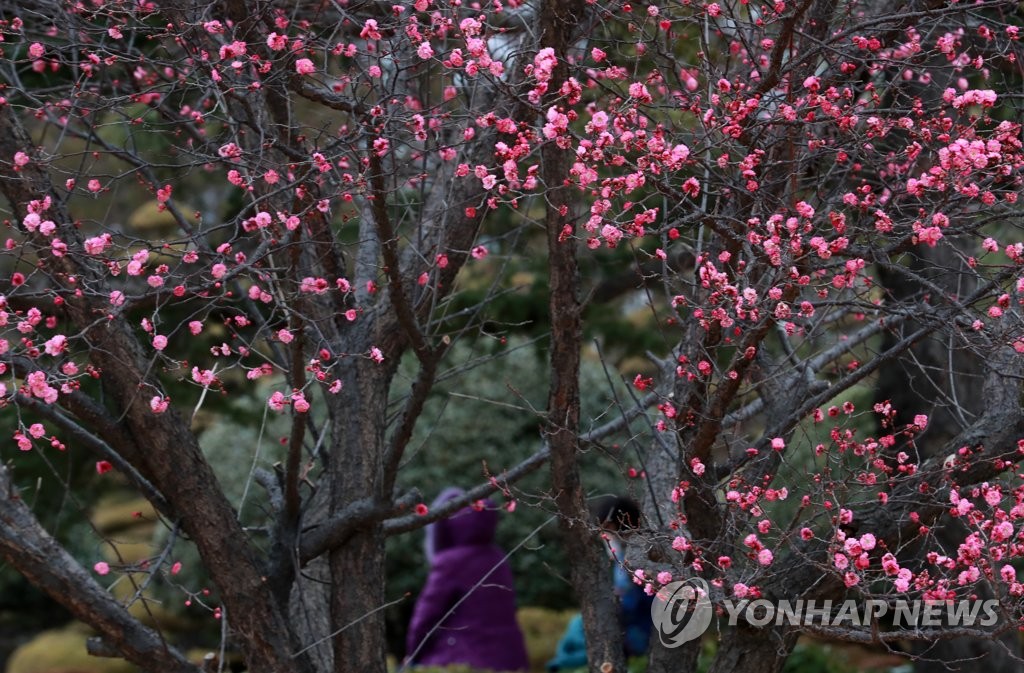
point(466, 527)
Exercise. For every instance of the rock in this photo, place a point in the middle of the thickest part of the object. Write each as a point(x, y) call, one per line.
point(62, 651)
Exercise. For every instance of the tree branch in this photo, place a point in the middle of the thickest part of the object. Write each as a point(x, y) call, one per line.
point(44, 562)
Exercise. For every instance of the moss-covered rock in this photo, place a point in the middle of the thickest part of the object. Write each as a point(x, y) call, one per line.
point(150, 219)
point(62, 651)
point(118, 515)
point(542, 629)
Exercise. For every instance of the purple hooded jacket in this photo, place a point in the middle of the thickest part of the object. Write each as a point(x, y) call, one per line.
point(481, 630)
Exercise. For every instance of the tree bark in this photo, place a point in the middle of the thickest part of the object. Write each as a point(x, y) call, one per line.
point(357, 566)
point(681, 659)
point(743, 649)
point(589, 571)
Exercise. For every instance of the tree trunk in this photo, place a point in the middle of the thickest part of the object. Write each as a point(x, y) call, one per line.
point(589, 570)
point(357, 575)
point(681, 659)
point(357, 567)
point(743, 649)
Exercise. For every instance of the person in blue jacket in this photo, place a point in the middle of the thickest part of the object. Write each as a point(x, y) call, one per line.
point(615, 515)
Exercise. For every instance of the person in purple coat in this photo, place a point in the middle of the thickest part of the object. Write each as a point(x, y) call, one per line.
point(466, 613)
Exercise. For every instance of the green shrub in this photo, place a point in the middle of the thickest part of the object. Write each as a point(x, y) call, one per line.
point(815, 658)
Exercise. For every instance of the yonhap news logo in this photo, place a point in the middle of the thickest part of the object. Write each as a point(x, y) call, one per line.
point(681, 611)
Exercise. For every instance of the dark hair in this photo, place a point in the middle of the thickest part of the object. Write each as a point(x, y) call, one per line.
point(617, 512)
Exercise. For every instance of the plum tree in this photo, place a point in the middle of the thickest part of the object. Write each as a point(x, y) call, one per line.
point(807, 191)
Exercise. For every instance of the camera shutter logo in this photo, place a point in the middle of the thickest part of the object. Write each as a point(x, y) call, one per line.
point(681, 611)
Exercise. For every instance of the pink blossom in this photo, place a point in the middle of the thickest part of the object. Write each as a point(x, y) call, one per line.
point(544, 64)
point(611, 234)
point(304, 66)
point(20, 159)
point(277, 401)
point(56, 345)
point(639, 91)
point(36, 50)
point(277, 42)
point(424, 51)
point(159, 404)
point(930, 235)
point(1002, 531)
point(299, 403)
point(376, 355)
point(159, 342)
point(778, 443)
point(101, 568)
point(370, 30)
point(984, 98)
point(39, 387)
point(24, 443)
point(97, 244)
point(740, 590)
point(285, 336)
point(765, 557)
point(664, 577)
